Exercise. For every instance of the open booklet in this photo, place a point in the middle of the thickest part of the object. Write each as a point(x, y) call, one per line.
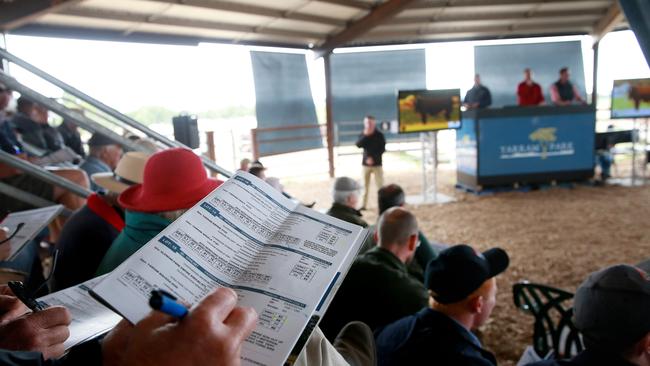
point(89, 318)
point(281, 258)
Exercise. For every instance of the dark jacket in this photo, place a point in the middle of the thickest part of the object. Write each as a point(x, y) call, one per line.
point(373, 146)
point(479, 94)
point(430, 338)
point(42, 136)
point(347, 214)
point(377, 291)
point(84, 240)
point(587, 358)
point(71, 138)
point(86, 354)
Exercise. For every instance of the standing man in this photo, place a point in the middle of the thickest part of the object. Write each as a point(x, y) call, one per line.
point(529, 93)
point(479, 96)
point(373, 144)
point(563, 92)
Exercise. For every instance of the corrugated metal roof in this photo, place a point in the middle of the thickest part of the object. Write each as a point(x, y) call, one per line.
point(305, 23)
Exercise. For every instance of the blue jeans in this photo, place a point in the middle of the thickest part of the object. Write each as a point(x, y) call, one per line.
point(605, 160)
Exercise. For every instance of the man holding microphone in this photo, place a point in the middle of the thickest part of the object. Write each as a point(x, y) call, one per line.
point(373, 144)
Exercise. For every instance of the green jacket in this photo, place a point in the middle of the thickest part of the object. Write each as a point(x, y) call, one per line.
point(140, 228)
point(377, 291)
point(346, 213)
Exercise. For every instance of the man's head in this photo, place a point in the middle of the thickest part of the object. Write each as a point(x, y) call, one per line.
point(105, 149)
point(244, 164)
point(5, 97)
point(31, 110)
point(528, 74)
point(477, 79)
point(257, 169)
point(346, 192)
point(612, 311)
point(564, 74)
point(389, 196)
point(461, 282)
point(398, 232)
point(369, 123)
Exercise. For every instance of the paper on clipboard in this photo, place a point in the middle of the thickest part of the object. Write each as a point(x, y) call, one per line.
point(26, 225)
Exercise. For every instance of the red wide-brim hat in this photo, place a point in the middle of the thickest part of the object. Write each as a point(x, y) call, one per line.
point(174, 179)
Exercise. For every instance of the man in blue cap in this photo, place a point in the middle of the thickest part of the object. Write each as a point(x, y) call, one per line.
point(462, 295)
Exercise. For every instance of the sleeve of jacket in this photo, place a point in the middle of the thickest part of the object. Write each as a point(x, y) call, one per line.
point(383, 143)
point(21, 358)
point(361, 141)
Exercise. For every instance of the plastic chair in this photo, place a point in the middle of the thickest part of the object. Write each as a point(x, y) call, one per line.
point(553, 328)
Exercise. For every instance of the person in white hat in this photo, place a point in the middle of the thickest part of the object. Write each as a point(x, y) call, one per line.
point(88, 233)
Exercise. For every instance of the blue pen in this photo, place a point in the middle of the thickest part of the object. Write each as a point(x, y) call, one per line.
point(165, 302)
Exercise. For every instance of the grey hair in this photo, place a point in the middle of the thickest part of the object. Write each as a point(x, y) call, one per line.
point(342, 196)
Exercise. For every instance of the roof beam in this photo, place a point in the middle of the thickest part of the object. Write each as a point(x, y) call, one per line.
point(184, 22)
point(494, 16)
point(609, 21)
point(15, 13)
point(425, 4)
point(568, 27)
point(256, 10)
point(357, 4)
point(377, 16)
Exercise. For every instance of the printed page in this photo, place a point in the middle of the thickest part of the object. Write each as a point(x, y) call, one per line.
point(281, 258)
point(89, 317)
point(28, 223)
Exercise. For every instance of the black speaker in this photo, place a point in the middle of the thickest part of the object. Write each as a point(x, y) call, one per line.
point(186, 130)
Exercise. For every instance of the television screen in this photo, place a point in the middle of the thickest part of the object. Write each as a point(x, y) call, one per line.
point(631, 98)
point(428, 110)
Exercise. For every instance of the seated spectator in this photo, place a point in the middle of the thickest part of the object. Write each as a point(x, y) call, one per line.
point(89, 232)
point(346, 198)
point(378, 288)
point(103, 155)
point(611, 311)
point(21, 330)
point(16, 178)
point(174, 180)
point(31, 123)
point(71, 138)
point(393, 195)
point(462, 294)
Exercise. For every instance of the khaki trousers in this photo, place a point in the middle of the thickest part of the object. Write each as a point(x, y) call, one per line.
point(378, 172)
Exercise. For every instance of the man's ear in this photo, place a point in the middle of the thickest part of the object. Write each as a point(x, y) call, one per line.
point(476, 304)
point(413, 242)
point(375, 236)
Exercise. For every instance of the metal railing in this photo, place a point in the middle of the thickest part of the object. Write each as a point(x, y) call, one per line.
point(113, 113)
point(42, 174)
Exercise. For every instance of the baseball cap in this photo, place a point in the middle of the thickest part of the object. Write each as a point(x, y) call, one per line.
point(97, 139)
point(460, 270)
point(346, 184)
point(612, 307)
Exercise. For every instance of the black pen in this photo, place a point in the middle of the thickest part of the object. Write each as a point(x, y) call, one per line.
point(19, 290)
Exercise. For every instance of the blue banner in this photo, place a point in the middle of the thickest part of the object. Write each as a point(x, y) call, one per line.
point(525, 145)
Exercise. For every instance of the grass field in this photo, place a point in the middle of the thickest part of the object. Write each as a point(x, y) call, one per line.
point(623, 103)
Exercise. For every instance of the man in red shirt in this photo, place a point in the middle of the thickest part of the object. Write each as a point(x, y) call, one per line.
point(529, 93)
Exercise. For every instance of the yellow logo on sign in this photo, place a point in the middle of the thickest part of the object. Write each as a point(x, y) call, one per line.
point(544, 136)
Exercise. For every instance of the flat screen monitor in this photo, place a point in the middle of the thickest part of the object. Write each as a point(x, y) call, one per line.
point(631, 98)
point(428, 110)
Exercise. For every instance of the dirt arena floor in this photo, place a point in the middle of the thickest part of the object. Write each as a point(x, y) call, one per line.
point(555, 236)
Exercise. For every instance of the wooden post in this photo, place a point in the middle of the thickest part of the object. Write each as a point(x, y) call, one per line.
point(211, 150)
point(254, 144)
point(328, 113)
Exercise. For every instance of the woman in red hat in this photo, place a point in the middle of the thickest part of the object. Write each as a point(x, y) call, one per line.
point(174, 180)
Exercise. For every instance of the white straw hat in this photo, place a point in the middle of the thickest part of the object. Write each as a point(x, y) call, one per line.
point(129, 171)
